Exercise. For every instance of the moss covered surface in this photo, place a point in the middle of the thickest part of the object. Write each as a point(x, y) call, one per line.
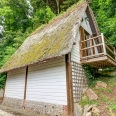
point(51, 41)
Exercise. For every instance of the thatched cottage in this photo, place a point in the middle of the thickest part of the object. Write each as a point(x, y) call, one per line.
point(45, 74)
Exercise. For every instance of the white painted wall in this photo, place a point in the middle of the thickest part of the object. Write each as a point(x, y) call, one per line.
point(85, 24)
point(47, 82)
point(75, 53)
point(15, 83)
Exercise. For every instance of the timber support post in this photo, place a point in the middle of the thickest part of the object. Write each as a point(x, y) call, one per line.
point(103, 42)
point(70, 102)
point(25, 88)
point(115, 53)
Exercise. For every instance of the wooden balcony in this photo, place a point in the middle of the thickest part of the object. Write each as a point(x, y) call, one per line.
point(97, 52)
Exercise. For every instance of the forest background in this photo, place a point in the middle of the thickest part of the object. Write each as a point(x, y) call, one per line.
point(19, 18)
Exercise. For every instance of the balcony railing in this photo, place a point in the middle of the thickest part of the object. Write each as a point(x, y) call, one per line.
point(96, 47)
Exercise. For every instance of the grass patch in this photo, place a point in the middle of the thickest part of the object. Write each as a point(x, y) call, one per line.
point(104, 90)
point(86, 101)
point(111, 113)
point(113, 106)
point(106, 97)
point(108, 90)
point(110, 80)
point(113, 85)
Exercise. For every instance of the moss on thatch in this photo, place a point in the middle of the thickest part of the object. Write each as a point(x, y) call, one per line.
point(53, 40)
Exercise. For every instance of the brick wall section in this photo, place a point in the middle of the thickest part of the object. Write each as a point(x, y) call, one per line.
point(12, 102)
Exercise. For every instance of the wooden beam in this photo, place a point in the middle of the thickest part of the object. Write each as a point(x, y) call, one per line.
point(82, 45)
point(92, 46)
point(80, 50)
point(82, 34)
point(90, 38)
point(70, 102)
point(112, 60)
point(110, 50)
point(92, 22)
point(92, 56)
point(93, 49)
point(25, 88)
point(98, 59)
point(104, 49)
point(115, 53)
point(100, 62)
point(108, 43)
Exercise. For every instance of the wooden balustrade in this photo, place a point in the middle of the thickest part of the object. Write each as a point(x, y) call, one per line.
point(96, 47)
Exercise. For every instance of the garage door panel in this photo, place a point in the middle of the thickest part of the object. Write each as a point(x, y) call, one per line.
point(15, 83)
point(47, 84)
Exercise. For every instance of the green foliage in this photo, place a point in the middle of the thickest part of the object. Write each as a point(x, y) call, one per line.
point(113, 106)
point(2, 80)
point(106, 98)
point(67, 3)
point(105, 12)
point(38, 4)
point(90, 72)
point(42, 16)
point(17, 21)
point(18, 18)
point(16, 14)
point(85, 101)
point(111, 113)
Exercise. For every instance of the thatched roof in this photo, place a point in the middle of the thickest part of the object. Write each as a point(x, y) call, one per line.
point(53, 40)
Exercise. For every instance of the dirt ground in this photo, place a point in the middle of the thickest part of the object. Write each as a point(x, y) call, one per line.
point(8, 111)
point(107, 97)
point(106, 101)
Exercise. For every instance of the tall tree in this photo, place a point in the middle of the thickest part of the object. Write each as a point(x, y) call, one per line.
point(58, 9)
point(67, 3)
point(21, 14)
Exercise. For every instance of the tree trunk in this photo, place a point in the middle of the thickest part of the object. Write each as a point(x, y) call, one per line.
point(57, 2)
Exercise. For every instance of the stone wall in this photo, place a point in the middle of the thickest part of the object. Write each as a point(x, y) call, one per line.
point(41, 108)
point(12, 102)
point(46, 109)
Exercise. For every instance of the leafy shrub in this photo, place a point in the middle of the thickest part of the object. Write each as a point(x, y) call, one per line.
point(2, 80)
point(91, 73)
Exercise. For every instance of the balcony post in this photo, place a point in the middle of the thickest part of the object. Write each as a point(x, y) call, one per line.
point(103, 42)
point(115, 53)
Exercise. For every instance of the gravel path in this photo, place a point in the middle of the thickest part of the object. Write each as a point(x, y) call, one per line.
point(9, 111)
point(3, 113)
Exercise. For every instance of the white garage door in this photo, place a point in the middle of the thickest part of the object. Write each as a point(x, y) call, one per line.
point(15, 83)
point(47, 82)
